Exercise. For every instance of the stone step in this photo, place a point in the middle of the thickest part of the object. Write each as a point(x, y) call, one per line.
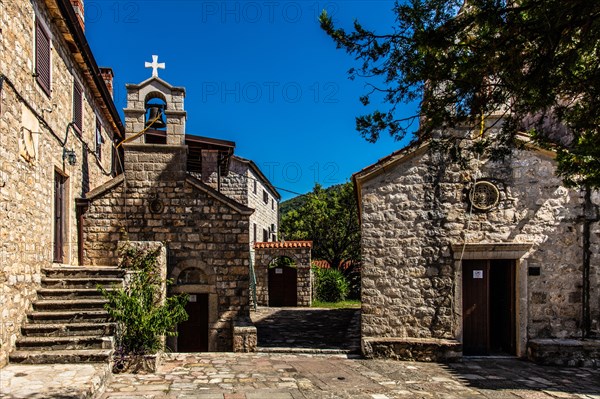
point(61, 330)
point(63, 343)
point(61, 356)
point(81, 282)
point(68, 316)
point(70, 293)
point(84, 272)
point(69, 304)
point(314, 351)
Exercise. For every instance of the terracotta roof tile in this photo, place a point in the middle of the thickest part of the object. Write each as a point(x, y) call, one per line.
point(283, 244)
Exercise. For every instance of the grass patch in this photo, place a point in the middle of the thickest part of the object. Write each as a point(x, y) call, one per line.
point(349, 303)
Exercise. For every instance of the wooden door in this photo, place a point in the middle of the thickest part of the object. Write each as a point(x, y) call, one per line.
point(475, 276)
point(489, 310)
point(502, 307)
point(59, 217)
point(283, 286)
point(192, 334)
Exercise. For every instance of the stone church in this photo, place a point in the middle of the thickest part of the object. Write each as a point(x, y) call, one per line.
point(192, 194)
point(495, 259)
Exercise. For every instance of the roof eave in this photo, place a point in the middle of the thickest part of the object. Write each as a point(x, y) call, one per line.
point(88, 63)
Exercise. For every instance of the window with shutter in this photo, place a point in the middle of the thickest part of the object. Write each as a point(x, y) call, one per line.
point(42, 57)
point(77, 107)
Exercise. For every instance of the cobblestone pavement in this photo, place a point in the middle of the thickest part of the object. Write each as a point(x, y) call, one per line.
point(294, 376)
point(308, 328)
point(64, 381)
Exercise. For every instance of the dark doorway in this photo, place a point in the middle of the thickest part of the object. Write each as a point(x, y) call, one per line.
point(283, 287)
point(59, 216)
point(489, 307)
point(192, 334)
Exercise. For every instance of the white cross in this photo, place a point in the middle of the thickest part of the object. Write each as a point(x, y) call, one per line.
point(155, 66)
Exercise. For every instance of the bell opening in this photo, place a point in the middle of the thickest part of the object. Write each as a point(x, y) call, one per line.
point(155, 115)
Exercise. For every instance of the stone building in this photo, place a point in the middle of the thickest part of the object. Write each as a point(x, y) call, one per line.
point(194, 195)
point(247, 184)
point(57, 126)
point(496, 258)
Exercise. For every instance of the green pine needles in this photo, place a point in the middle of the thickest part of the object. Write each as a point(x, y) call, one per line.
point(143, 317)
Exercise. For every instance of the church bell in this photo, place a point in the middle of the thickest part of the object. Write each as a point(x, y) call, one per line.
point(155, 117)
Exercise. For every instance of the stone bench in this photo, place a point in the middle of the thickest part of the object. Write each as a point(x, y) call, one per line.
point(415, 349)
point(565, 352)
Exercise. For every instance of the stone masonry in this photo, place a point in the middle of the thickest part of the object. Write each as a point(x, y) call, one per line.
point(206, 232)
point(416, 224)
point(33, 135)
point(299, 252)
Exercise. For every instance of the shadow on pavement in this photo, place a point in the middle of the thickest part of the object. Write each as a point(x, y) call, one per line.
point(509, 374)
point(308, 328)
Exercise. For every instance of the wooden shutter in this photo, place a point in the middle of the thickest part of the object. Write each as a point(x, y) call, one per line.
point(42, 57)
point(77, 107)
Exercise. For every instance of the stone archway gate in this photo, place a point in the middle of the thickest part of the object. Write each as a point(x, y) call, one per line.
point(299, 252)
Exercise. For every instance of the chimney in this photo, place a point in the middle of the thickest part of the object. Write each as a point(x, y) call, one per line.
point(209, 160)
point(108, 76)
point(78, 7)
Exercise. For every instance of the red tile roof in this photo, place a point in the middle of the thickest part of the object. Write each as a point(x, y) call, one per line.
point(283, 244)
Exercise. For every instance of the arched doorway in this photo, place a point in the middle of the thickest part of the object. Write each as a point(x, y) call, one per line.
point(192, 334)
point(283, 282)
point(197, 334)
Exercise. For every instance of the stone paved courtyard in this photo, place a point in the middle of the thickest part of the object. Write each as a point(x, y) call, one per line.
point(308, 328)
point(275, 376)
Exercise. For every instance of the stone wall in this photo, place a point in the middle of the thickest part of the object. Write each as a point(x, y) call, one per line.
point(157, 201)
point(28, 161)
point(299, 252)
point(266, 213)
point(415, 209)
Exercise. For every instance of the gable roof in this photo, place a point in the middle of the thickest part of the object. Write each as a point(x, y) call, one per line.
point(412, 150)
point(259, 173)
point(151, 79)
point(242, 209)
point(114, 182)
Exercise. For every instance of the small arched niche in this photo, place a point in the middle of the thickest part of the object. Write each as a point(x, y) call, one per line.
point(192, 275)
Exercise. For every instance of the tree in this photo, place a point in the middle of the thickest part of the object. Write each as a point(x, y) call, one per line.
point(534, 63)
point(330, 219)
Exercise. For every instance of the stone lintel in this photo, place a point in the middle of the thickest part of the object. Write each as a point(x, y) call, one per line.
point(513, 250)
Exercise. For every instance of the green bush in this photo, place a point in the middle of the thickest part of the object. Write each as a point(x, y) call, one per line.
point(330, 284)
point(141, 315)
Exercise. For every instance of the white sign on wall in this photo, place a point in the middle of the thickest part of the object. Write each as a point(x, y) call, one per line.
point(193, 298)
point(278, 271)
point(477, 273)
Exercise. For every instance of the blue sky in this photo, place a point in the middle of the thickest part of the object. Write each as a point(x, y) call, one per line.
point(260, 73)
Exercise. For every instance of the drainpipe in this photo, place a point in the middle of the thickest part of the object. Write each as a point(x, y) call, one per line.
point(589, 216)
point(81, 207)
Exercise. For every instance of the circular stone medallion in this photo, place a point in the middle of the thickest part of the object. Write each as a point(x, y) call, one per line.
point(484, 195)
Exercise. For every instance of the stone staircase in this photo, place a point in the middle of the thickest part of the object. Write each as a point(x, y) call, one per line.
point(68, 323)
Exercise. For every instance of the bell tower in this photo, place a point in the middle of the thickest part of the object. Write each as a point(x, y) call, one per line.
point(156, 107)
point(154, 146)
